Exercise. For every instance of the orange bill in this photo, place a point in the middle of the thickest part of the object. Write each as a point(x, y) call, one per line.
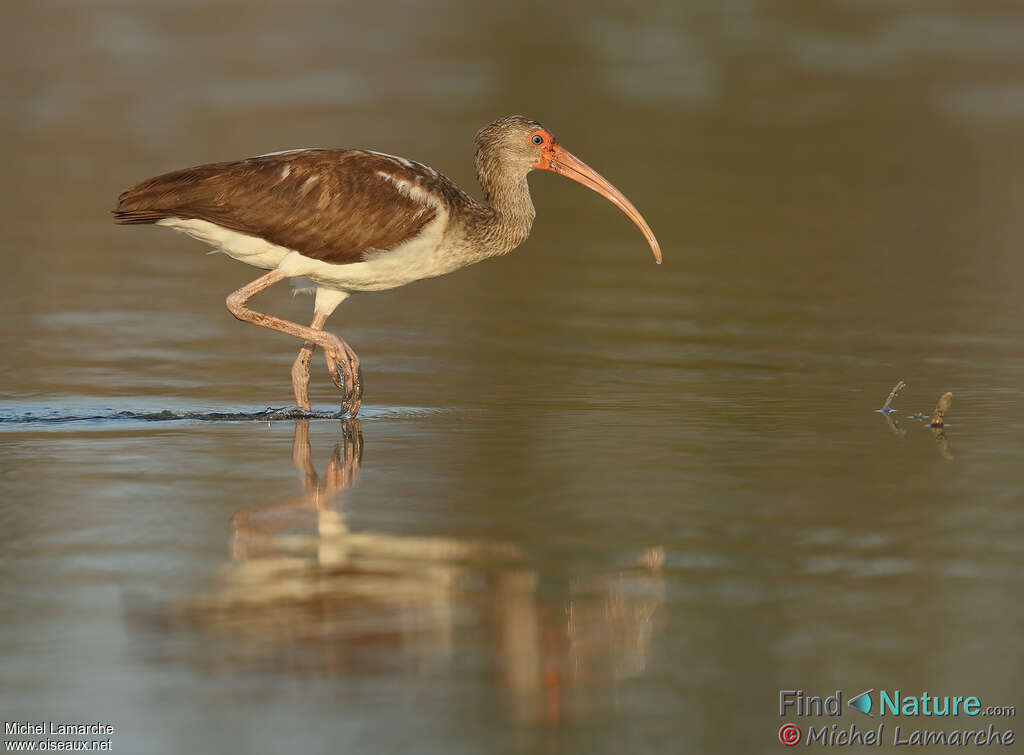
point(559, 160)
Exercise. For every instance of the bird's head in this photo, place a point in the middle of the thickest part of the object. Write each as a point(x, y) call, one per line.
point(519, 144)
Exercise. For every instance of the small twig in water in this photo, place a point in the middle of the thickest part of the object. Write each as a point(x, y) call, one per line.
point(887, 406)
point(940, 409)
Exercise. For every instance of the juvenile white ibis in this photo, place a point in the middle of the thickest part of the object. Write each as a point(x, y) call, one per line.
point(356, 220)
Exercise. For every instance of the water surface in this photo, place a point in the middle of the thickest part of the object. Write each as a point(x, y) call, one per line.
point(591, 504)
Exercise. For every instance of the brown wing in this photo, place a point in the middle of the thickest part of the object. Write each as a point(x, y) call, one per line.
point(330, 205)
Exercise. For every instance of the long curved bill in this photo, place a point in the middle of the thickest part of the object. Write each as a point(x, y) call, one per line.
point(559, 160)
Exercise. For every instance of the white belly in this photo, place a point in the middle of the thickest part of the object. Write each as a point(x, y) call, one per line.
point(240, 246)
point(417, 258)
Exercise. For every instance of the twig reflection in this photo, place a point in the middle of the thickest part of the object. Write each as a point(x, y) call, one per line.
point(945, 447)
point(894, 424)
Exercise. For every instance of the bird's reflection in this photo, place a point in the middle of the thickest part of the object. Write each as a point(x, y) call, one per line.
point(252, 530)
point(304, 594)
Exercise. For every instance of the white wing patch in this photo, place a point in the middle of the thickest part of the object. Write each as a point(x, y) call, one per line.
point(403, 186)
point(412, 189)
point(405, 162)
point(288, 151)
point(400, 160)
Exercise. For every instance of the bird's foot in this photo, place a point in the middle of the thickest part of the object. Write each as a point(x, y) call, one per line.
point(343, 365)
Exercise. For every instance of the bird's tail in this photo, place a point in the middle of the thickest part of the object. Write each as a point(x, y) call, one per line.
point(145, 202)
point(134, 217)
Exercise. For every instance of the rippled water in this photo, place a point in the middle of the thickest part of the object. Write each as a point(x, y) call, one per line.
point(591, 504)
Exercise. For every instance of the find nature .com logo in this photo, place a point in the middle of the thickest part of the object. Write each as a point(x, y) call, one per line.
point(895, 704)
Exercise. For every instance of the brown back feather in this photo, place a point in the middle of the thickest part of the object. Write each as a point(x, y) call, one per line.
point(329, 205)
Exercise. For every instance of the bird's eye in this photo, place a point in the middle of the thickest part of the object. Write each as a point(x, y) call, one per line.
point(537, 139)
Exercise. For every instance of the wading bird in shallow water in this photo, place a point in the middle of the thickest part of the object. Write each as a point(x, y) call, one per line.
point(354, 220)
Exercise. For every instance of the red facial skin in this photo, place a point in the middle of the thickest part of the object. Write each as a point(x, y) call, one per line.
point(554, 157)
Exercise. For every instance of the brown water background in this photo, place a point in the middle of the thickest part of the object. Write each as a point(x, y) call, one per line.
point(602, 506)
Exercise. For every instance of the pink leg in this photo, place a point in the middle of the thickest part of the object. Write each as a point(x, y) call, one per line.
point(300, 370)
point(336, 352)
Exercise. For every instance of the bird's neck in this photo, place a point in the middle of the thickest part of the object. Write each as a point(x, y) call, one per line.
point(508, 212)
